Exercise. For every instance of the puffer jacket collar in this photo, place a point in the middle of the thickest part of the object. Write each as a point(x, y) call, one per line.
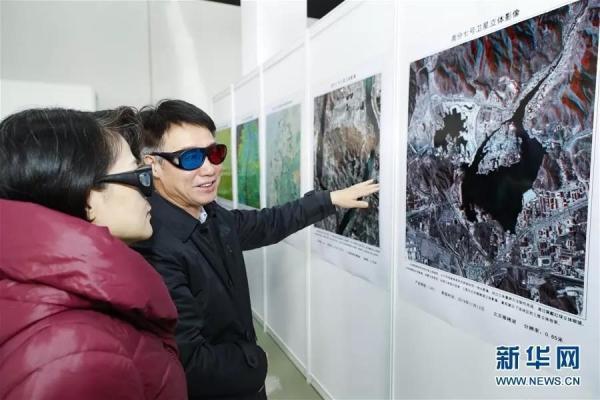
point(60, 262)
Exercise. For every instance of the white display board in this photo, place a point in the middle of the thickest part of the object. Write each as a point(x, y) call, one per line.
point(247, 110)
point(284, 82)
point(350, 316)
point(486, 103)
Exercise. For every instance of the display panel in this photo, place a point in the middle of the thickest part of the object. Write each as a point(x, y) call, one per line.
point(225, 191)
point(347, 121)
point(248, 167)
point(346, 128)
point(283, 155)
point(499, 151)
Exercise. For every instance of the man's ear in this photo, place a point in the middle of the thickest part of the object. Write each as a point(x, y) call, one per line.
point(151, 160)
point(148, 159)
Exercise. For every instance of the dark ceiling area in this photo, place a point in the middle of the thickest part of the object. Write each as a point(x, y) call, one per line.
point(316, 8)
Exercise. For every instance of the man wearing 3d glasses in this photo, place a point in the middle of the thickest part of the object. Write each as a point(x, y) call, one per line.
point(197, 248)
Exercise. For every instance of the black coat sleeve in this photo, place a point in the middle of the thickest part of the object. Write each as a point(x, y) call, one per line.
point(226, 369)
point(257, 228)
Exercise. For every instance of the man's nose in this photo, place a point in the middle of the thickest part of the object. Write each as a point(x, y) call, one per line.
point(207, 168)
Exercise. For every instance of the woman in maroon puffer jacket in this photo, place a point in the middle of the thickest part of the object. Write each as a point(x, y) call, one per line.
point(81, 315)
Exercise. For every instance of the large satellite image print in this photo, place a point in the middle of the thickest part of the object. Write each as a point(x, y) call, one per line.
point(499, 156)
point(346, 129)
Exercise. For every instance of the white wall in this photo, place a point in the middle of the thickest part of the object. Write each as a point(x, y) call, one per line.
point(129, 52)
point(249, 10)
point(269, 26)
point(94, 43)
point(195, 50)
point(19, 95)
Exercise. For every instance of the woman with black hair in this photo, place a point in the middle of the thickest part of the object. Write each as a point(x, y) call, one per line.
point(81, 315)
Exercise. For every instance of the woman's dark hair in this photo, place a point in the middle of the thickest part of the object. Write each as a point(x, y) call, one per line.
point(52, 157)
point(157, 120)
point(126, 122)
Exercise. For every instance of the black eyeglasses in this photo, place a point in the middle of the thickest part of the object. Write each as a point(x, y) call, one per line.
point(190, 159)
point(140, 178)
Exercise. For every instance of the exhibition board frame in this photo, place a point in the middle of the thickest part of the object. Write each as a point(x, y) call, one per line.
point(247, 106)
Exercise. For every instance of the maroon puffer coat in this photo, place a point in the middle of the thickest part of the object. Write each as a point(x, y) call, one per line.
point(82, 316)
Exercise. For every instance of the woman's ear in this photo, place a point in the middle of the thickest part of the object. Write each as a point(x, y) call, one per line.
point(93, 205)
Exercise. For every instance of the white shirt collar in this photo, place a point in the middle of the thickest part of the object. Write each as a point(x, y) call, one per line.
point(203, 216)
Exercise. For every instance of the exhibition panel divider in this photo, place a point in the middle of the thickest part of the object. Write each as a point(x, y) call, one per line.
point(286, 262)
point(247, 103)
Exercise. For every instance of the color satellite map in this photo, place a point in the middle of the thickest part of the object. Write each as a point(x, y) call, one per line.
point(225, 187)
point(248, 167)
point(283, 155)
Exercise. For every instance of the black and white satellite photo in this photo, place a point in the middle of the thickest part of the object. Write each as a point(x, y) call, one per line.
point(499, 157)
point(346, 126)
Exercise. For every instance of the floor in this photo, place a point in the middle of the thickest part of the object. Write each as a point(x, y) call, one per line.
point(284, 380)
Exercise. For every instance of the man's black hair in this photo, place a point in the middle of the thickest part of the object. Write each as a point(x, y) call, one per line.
point(157, 120)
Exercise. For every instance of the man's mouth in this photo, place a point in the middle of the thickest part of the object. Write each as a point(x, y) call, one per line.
point(207, 185)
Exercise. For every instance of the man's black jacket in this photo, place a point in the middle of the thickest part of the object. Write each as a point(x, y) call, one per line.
point(203, 267)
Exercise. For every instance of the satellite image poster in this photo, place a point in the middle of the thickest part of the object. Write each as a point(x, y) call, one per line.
point(248, 166)
point(283, 136)
point(223, 136)
point(346, 136)
point(498, 178)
